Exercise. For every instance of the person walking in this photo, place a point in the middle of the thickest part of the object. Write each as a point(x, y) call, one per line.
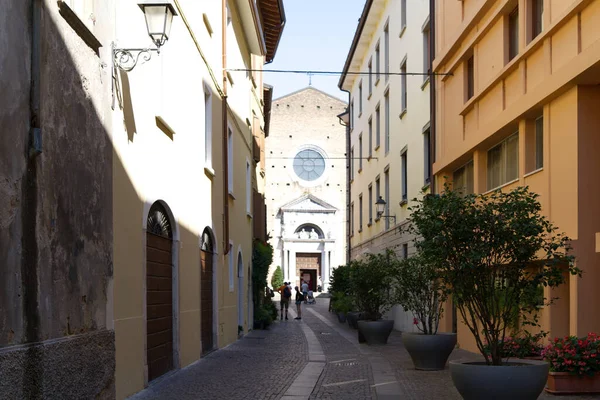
point(286, 295)
point(305, 290)
point(299, 299)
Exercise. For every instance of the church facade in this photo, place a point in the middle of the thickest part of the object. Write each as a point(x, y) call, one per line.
point(306, 186)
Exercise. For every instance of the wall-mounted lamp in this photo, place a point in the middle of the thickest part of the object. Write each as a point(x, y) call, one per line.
point(380, 207)
point(159, 17)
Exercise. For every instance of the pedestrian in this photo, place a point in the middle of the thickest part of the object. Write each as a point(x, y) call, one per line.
point(284, 303)
point(305, 290)
point(299, 299)
point(319, 284)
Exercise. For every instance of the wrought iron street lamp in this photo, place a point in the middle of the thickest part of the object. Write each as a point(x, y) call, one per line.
point(159, 18)
point(380, 208)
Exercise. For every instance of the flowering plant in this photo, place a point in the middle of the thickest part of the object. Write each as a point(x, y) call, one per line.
point(578, 356)
point(521, 346)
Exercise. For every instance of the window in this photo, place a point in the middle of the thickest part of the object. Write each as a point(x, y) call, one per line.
point(309, 165)
point(352, 219)
point(207, 128)
point(386, 183)
point(352, 164)
point(427, 155)
point(351, 114)
point(360, 96)
point(84, 10)
point(386, 50)
point(230, 256)
point(405, 250)
point(248, 188)
point(360, 213)
point(230, 160)
point(462, 179)
point(377, 127)
point(370, 138)
point(402, 15)
point(360, 153)
point(513, 34)
point(404, 176)
point(426, 53)
point(370, 205)
point(503, 162)
point(377, 187)
point(377, 62)
point(403, 83)
point(370, 77)
point(386, 125)
point(470, 77)
point(534, 145)
point(537, 18)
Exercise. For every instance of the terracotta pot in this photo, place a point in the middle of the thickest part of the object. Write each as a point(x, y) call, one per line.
point(565, 383)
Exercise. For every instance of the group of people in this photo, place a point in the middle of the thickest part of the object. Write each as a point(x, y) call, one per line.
point(286, 294)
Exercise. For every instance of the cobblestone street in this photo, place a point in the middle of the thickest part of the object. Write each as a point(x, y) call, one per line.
point(316, 358)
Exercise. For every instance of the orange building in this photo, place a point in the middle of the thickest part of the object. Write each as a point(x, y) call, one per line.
point(517, 102)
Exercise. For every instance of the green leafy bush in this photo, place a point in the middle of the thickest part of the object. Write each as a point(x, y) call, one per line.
point(277, 278)
point(339, 282)
point(342, 303)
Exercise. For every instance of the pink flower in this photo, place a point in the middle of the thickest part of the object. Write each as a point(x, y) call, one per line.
point(415, 321)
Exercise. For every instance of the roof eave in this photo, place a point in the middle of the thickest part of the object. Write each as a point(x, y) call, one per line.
point(357, 35)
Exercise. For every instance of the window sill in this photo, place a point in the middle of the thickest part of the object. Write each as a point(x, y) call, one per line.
point(501, 186)
point(403, 202)
point(359, 170)
point(377, 81)
point(533, 172)
point(249, 215)
point(359, 114)
point(79, 26)
point(231, 196)
point(230, 289)
point(360, 230)
point(369, 224)
point(425, 82)
point(426, 186)
point(351, 181)
point(402, 31)
point(377, 147)
point(369, 96)
point(208, 171)
point(370, 157)
point(403, 113)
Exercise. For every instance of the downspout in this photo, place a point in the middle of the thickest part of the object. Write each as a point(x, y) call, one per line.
point(432, 102)
point(225, 139)
point(348, 188)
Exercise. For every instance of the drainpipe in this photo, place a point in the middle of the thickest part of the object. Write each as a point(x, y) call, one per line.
point(348, 189)
point(432, 103)
point(225, 139)
point(35, 139)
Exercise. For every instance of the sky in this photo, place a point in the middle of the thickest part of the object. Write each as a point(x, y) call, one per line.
point(317, 36)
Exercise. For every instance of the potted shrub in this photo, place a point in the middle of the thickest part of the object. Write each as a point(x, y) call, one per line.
point(574, 364)
point(420, 291)
point(339, 282)
point(494, 251)
point(341, 306)
point(371, 287)
point(262, 318)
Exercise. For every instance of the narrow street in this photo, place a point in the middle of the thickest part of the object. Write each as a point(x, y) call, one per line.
point(315, 358)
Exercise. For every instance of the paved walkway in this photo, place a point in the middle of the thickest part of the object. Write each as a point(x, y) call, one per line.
point(315, 358)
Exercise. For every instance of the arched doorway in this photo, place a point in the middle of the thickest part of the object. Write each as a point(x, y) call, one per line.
point(206, 291)
point(159, 292)
point(240, 274)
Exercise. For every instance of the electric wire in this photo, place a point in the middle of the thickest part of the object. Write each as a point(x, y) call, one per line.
point(309, 72)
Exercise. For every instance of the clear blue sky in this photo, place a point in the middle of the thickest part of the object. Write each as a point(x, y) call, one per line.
point(317, 36)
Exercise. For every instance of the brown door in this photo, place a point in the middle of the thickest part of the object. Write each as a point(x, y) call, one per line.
point(308, 265)
point(159, 305)
point(206, 291)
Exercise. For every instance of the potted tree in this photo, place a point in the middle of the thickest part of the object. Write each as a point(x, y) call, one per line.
point(341, 306)
point(371, 287)
point(420, 291)
point(494, 251)
point(574, 364)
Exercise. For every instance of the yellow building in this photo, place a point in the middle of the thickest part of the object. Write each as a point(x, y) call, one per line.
point(386, 75)
point(187, 133)
point(517, 104)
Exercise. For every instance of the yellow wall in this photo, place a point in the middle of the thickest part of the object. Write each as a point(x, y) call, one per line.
point(551, 76)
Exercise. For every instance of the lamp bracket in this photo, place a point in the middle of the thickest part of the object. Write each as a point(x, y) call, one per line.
point(127, 59)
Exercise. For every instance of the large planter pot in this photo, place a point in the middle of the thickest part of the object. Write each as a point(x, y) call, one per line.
point(565, 383)
point(353, 317)
point(376, 332)
point(429, 352)
point(522, 379)
point(341, 317)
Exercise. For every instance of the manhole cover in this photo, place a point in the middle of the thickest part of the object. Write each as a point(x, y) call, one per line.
point(325, 333)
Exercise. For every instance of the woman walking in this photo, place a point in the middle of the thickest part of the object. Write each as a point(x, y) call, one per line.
point(299, 300)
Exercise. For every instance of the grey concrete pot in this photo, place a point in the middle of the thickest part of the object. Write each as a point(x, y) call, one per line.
point(518, 380)
point(341, 317)
point(429, 352)
point(352, 317)
point(376, 332)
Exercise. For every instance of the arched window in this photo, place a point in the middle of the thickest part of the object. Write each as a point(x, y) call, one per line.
point(309, 231)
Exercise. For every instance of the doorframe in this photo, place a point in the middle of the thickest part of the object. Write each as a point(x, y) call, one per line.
point(240, 294)
point(174, 288)
point(215, 286)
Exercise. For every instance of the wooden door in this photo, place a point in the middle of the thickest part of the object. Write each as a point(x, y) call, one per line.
point(206, 294)
point(159, 305)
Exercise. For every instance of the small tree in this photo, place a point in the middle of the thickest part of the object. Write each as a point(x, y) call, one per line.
point(494, 251)
point(262, 257)
point(277, 278)
point(339, 282)
point(420, 290)
point(371, 283)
